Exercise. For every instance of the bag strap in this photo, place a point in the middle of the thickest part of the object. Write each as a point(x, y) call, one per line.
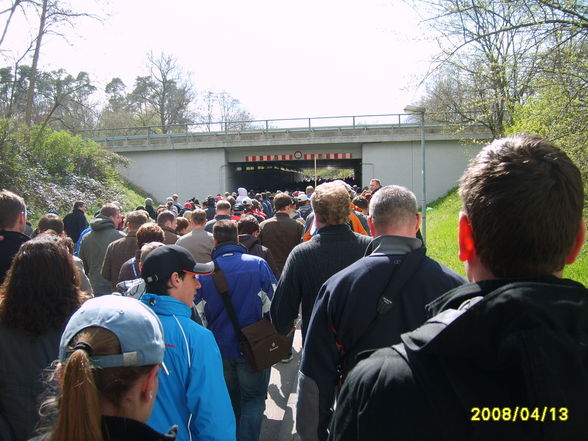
point(222, 287)
point(403, 272)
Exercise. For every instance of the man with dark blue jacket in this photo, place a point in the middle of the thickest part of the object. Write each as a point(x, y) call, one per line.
point(251, 287)
point(348, 317)
point(505, 356)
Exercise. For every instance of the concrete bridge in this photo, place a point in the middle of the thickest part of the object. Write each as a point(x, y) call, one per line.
point(193, 160)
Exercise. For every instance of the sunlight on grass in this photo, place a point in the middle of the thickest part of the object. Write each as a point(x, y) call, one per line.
point(442, 239)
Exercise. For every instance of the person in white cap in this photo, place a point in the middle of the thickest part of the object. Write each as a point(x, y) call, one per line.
point(109, 356)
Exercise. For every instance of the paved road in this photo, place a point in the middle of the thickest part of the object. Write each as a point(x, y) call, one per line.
point(280, 406)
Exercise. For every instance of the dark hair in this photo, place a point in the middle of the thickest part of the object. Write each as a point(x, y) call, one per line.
point(225, 230)
point(11, 205)
point(165, 216)
point(51, 222)
point(360, 202)
point(282, 201)
point(524, 198)
point(78, 204)
point(41, 289)
point(83, 385)
point(181, 224)
point(160, 287)
point(248, 224)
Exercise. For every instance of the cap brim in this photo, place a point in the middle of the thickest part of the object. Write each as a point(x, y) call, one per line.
point(202, 269)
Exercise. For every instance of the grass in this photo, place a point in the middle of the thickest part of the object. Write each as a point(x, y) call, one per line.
point(442, 239)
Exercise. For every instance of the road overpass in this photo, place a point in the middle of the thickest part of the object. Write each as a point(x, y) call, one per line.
point(268, 154)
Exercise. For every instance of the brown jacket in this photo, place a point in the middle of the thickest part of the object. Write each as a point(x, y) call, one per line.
point(169, 236)
point(117, 253)
point(280, 234)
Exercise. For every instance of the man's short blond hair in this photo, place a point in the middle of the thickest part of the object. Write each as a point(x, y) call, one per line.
point(331, 202)
point(198, 216)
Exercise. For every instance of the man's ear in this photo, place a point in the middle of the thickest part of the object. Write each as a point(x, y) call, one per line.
point(371, 225)
point(174, 280)
point(578, 243)
point(465, 239)
point(417, 223)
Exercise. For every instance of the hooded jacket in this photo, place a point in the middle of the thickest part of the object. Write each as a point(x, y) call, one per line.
point(192, 391)
point(518, 346)
point(253, 247)
point(93, 249)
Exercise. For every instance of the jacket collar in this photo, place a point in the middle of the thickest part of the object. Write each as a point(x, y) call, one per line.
point(228, 248)
point(118, 428)
point(393, 245)
point(165, 305)
point(334, 229)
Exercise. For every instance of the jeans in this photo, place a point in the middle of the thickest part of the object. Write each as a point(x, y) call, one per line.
point(247, 390)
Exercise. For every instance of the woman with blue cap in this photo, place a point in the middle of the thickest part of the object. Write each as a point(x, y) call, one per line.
point(109, 357)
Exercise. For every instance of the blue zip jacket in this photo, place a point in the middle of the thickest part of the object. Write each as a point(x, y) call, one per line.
point(251, 288)
point(192, 389)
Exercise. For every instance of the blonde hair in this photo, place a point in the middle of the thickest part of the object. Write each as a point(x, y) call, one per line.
point(331, 202)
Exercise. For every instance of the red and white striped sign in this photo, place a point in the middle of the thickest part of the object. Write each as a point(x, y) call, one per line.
point(292, 157)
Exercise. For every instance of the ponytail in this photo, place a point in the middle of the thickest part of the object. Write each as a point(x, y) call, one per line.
point(79, 408)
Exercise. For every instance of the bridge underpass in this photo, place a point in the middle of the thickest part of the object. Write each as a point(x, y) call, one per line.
point(282, 175)
point(197, 164)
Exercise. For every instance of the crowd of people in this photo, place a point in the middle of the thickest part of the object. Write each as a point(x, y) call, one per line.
point(116, 327)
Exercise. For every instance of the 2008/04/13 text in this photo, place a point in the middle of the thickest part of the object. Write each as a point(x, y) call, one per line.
point(519, 413)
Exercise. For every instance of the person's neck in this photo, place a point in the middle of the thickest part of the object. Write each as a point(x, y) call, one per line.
point(15, 229)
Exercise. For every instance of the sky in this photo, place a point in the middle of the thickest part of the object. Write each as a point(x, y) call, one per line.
point(280, 58)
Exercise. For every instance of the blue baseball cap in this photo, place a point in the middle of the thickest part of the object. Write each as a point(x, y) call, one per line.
point(138, 329)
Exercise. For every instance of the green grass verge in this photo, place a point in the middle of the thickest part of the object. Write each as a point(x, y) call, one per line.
point(442, 239)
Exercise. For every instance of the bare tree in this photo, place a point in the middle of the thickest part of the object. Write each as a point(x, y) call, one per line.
point(164, 92)
point(493, 51)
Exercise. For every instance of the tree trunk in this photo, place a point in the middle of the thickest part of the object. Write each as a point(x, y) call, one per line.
point(33, 75)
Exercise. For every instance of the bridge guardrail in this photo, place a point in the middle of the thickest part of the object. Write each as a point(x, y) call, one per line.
point(280, 125)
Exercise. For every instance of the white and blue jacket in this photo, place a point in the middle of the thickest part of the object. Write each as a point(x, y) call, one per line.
point(192, 389)
point(251, 288)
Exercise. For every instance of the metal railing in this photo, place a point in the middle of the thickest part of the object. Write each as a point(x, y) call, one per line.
point(208, 128)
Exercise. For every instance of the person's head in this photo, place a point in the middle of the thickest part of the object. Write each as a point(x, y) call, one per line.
point(41, 289)
point(146, 249)
point(148, 202)
point(393, 211)
point(302, 199)
point(224, 231)
point(198, 218)
point(79, 205)
point(51, 222)
point(330, 203)
point(110, 211)
point(238, 209)
point(248, 225)
point(171, 270)
point(167, 219)
point(135, 219)
point(375, 184)
point(175, 197)
point(284, 202)
point(13, 212)
point(522, 210)
point(182, 226)
point(149, 232)
point(309, 190)
point(361, 203)
point(223, 207)
point(109, 357)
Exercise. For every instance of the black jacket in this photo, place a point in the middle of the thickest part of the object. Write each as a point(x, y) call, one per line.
point(8, 249)
point(125, 429)
point(74, 223)
point(519, 345)
point(345, 318)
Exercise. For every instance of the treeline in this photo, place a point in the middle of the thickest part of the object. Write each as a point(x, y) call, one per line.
point(164, 98)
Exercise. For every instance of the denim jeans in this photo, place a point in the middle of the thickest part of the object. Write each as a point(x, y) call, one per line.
point(247, 390)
